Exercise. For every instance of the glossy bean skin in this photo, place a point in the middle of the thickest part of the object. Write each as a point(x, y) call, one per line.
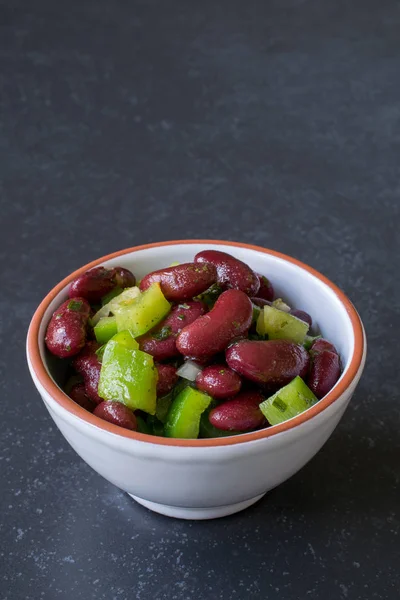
point(167, 379)
point(320, 345)
point(210, 334)
point(182, 282)
point(272, 363)
point(161, 341)
point(260, 302)
point(78, 395)
point(67, 329)
point(302, 315)
point(88, 365)
point(92, 285)
point(232, 273)
point(99, 281)
point(219, 381)
point(123, 278)
point(117, 413)
point(324, 372)
point(266, 290)
point(239, 414)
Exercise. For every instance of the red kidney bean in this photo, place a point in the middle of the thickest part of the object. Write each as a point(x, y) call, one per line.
point(272, 363)
point(230, 318)
point(161, 341)
point(167, 379)
point(261, 302)
point(123, 278)
point(182, 282)
point(232, 272)
point(99, 281)
point(66, 331)
point(93, 284)
point(219, 381)
point(320, 345)
point(239, 414)
point(302, 315)
point(78, 395)
point(324, 372)
point(266, 290)
point(88, 365)
point(117, 413)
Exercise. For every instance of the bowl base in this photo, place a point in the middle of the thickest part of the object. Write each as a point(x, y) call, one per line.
point(197, 514)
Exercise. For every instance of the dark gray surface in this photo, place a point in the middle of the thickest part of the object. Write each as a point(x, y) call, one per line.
point(274, 122)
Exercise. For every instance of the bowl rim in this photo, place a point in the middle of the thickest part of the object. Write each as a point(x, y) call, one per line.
point(71, 407)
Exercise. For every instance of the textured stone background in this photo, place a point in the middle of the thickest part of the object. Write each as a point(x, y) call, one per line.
point(273, 122)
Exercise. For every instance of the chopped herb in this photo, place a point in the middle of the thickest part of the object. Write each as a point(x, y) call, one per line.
point(236, 324)
point(210, 296)
point(222, 372)
point(68, 348)
point(59, 316)
point(74, 305)
point(163, 334)
point(181, 317)
point(184, 306)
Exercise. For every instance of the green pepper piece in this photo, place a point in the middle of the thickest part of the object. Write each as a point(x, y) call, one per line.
point(142, 425)
point(105, 329)
point(125, 338)
point(183, 420)
point(256, 314)
point(280, 325)
point(155, 426)
point(128, 376)
point(163, 406)
point(288, 402)
point(148, 309)
point(113, 294)
point(281, 305)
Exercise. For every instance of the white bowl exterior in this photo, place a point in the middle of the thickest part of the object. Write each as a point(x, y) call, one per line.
point(204, 477)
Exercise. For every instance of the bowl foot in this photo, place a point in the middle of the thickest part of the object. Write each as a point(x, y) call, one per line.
point(215, 512)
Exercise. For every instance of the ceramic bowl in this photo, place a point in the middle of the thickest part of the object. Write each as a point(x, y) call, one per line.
point(208, 478)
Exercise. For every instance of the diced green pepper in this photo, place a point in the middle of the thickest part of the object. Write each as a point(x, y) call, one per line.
point(142, 426)
point(125, 338)
point(279, 325)
point(128, 376)
point(155, 426)
point(281, 305)
point(256, 314)
point(162, 407)
point(113, 294)
point(164, 403)
point(128, 296)
point(288, 402)
point(183, 420)
point(148, 309)
point(105, 329)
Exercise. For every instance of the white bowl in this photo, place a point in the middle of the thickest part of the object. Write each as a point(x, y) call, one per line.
point(205, 479)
